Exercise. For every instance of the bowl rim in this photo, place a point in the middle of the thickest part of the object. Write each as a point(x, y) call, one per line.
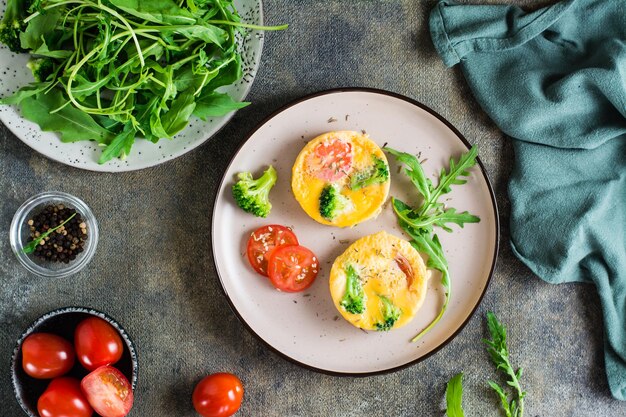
point(58, 312)
point(27, 208)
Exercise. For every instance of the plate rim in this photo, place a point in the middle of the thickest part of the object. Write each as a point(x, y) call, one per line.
point(166, 159)
point(491, 195)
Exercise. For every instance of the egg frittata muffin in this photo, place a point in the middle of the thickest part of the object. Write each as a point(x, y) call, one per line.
point(341, 178)
point(379, 282)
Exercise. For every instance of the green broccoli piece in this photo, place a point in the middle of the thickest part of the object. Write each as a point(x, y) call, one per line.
point(333, 203)
point(375, 174)
point(13, 24)
point(253, 195)
point(391, 314)
point(353, 301)
point(42, 68)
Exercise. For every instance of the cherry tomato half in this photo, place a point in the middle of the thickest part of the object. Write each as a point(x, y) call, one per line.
point(331, 160)
point(108, 391)
point(97, 343)
point(293, 268)
point(47, 356)
point(262, 243)
point(218, 395)
point(63, 398)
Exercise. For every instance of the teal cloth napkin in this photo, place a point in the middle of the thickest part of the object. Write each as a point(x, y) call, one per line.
point(554, 80)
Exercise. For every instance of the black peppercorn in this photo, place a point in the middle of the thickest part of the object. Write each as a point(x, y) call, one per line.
point(66, 239)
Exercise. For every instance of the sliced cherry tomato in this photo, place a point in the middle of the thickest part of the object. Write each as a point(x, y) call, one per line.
point(47, 356)
point(263, 241)
point(218, 395)
point(293, 268)
point(331, 160)
point(63, 398)
point(108, 391)
point(97, 343)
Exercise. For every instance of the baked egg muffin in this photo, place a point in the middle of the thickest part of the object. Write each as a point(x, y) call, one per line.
point(379, 282)
point(341, 178)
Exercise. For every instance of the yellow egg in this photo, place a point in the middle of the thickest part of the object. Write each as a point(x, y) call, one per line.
point(390, 276)
point(350, 163)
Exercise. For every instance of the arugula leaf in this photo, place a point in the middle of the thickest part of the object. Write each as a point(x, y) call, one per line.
point(436, 260)
point(33, 36)
point(25, 92)
point(441, 218)
point(120, 145)
point(207, 33)
point(216, 104)
point(158, 11)
point(419, 222)
point(73, 124)
point(177, 117)
point(499, 353)
point(454, 396)
point(32, 245)
point(414, 171)
point(453, 177)
point(227, 75)
point(44, 50)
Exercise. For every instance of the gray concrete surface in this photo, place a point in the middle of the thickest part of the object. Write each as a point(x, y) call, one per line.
point(153, 269)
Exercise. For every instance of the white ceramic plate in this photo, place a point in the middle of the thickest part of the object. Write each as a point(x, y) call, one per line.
point(305, 327)
point(14, 74)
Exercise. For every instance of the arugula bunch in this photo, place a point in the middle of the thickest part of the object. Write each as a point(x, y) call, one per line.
point(111, 70)
point(419, 222)
point(499, 353)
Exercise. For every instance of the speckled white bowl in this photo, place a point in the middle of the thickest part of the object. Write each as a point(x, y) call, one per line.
point(14, 74)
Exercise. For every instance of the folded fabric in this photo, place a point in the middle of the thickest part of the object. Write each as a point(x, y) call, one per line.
point(554, 80)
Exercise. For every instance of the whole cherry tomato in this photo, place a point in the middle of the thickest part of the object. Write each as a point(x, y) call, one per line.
point(108, 391)
point(97, 343)
point(47, 356)
point(218, 395)
point(63, 398)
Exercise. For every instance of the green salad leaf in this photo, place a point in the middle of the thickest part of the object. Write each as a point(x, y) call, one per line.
point(113, 70)
point(454, 396)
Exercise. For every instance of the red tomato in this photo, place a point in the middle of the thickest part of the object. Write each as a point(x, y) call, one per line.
point(97, 343)
point(263, 241)
point(293, 268)
point(63, 398)
point(46, 356)
point(218, 395)
point(108, 391)
point(331, 160)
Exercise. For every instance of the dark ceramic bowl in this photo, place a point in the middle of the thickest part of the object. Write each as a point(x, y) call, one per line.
point(62, 322)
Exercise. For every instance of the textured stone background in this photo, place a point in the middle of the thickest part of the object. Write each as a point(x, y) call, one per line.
point(153, 269)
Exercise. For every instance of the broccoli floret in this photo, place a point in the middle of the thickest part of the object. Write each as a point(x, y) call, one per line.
point(333, 203)
point(253, 195)
point(378, 173)
point(353, 301)
point(391, 314)
point(13, 24)
point(41, 68)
